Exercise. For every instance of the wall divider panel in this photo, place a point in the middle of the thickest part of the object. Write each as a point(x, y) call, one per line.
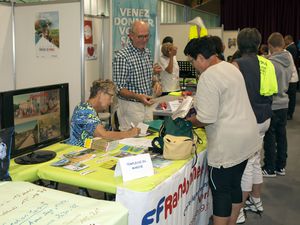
point(6, 45)
point(34, 71)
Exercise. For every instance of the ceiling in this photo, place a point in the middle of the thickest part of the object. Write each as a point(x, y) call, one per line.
point(211, 6)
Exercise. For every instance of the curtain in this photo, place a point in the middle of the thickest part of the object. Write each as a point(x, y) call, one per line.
point(267, 16)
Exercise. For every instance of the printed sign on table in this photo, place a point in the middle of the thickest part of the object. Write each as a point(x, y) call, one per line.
point(183, 198)
point(133, 167)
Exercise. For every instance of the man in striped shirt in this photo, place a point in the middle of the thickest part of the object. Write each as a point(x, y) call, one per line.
point(133, 75)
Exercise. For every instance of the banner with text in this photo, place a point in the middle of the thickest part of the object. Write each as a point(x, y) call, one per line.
point(183, 198)
point(124, 13)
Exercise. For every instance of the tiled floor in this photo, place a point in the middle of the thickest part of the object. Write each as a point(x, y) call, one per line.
point(281, 195)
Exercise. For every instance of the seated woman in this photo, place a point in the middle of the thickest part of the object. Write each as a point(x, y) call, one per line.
point(85, 122)
point(170, 73)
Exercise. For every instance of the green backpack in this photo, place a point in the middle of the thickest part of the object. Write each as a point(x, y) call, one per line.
point(177, 127)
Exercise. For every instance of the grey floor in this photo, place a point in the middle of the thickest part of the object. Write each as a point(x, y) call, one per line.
point(281, 195)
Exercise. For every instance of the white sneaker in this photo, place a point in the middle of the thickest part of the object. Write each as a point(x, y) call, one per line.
point(241, 218)
point(280, 172)
point(256, 207)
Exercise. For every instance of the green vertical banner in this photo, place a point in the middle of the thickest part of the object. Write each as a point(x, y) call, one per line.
point(127, 11)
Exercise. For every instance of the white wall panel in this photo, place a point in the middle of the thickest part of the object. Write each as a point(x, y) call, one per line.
point(6, 46)
point(66, 67)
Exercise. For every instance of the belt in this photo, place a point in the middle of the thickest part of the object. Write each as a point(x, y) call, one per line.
point(126, 99)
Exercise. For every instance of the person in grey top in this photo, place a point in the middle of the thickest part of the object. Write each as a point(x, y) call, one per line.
point(275, 141)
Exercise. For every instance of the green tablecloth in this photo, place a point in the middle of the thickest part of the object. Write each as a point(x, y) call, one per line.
point(102, 179)
point(29, 172)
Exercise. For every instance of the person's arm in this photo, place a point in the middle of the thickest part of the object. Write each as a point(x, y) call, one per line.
point(145, 99)
point(100, 131)
point(169, 68)
point(172, 52)
point(196, 122)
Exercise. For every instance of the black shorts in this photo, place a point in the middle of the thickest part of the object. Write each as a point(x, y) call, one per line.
point(225, 184)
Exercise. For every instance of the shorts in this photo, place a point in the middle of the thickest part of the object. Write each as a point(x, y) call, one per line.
point(252, 174)
point(225, 185)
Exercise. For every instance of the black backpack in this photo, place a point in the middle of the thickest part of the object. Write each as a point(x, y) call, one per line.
point(5, 150)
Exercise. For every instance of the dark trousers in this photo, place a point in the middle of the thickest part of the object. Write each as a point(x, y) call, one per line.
point(292, 98)
point(275, 141)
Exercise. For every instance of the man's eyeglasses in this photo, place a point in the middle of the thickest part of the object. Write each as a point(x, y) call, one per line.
point(141, 37)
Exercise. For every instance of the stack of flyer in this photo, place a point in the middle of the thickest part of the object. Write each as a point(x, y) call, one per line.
point(184, 108)
point(98, 143)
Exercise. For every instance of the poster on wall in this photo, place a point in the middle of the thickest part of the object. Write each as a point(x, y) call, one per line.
point(231, 42)
point(124, 13)
point(90, 51)
point(89, 47)
point(88, 32)
point(47, 34)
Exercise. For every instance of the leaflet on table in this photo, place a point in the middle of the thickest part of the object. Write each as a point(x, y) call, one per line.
point(108, 162)
point(74, 160)
point(160, 162)
point(155, 124)
point(133, 149)
point(138, 142)
point(99, 143)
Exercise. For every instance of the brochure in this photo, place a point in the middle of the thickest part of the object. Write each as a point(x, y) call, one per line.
point(159, 162)
point(183, 108)
point(74, 160)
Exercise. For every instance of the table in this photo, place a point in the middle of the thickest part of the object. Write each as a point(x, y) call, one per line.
point(27, 203)
point(183, 198)
point(177, 194)
point(29, 172)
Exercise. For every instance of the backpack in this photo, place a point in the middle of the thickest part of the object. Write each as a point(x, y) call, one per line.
point(177, 127)
point(5, 150)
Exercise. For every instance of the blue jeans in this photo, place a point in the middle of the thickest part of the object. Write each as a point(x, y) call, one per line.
point(275, 141)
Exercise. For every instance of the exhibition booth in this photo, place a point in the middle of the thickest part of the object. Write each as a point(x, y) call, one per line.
point(56, 43)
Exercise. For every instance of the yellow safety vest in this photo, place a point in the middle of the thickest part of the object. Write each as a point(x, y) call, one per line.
point(268, 80)
point(194, 32)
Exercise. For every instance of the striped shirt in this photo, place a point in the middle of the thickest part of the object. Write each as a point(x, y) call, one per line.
point(132, 69)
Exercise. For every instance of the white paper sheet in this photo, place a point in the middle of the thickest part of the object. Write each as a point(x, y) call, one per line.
point(136, 142)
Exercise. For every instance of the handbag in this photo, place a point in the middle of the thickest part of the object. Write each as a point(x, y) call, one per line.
point(177, 147)
point(177, 127)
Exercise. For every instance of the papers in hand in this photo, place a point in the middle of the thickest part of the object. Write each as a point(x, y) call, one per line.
point(183, 108)
point(144, 129)
point(174, 105)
